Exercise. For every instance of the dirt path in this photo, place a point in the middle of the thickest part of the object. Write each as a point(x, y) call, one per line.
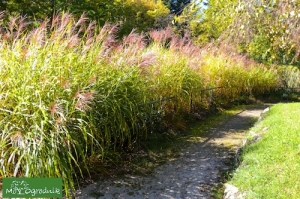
point(189, 177)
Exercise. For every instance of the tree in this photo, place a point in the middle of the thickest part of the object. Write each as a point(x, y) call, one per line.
point(216, 18)
point(268, 30)
point(34, 9)
point(167, 3)
point(184, 21)
point(177, 6)
point(141, 15)
point(206, 23)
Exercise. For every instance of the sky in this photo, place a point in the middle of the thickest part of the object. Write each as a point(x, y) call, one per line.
point(203, 4)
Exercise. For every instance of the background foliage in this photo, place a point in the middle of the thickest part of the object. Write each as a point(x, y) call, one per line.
point(268, 31)
point(138, 14)
point(75, 91)
point(206, 23)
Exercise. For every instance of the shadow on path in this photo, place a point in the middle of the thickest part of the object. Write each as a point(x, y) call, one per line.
point(189, 177)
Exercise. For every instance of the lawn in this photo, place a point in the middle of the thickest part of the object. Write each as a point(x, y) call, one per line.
point(270, 167)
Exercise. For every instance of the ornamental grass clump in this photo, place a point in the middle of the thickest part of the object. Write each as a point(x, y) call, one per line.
point(63, 98)
point(176, 72)
point(234, 74)
point(71, 91)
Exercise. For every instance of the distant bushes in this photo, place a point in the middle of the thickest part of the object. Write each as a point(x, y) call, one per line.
point(267, 31)
point(70, 91)
point(140, 14)
point(289, 76)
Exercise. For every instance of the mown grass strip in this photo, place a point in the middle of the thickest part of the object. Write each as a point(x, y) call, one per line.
point(270, 167)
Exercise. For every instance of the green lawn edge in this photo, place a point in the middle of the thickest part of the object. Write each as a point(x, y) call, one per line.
point(270, 167)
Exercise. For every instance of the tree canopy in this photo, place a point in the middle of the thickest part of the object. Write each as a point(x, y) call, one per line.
point(268, 31)
point(130, 14)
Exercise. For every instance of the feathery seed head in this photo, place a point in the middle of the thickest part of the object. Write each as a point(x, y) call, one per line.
point(84, 100)
point(148, 60)
point(81, 20)
point(73, 41)
point(56, 109)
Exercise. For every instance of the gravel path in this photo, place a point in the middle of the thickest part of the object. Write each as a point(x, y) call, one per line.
point(189, 177)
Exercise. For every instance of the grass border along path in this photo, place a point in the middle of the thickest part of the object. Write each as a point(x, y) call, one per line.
point(270, 167)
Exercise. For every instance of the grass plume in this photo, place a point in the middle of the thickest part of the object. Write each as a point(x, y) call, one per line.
point(70, 90)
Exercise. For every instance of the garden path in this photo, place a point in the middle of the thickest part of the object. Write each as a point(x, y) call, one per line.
point(192, 175)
